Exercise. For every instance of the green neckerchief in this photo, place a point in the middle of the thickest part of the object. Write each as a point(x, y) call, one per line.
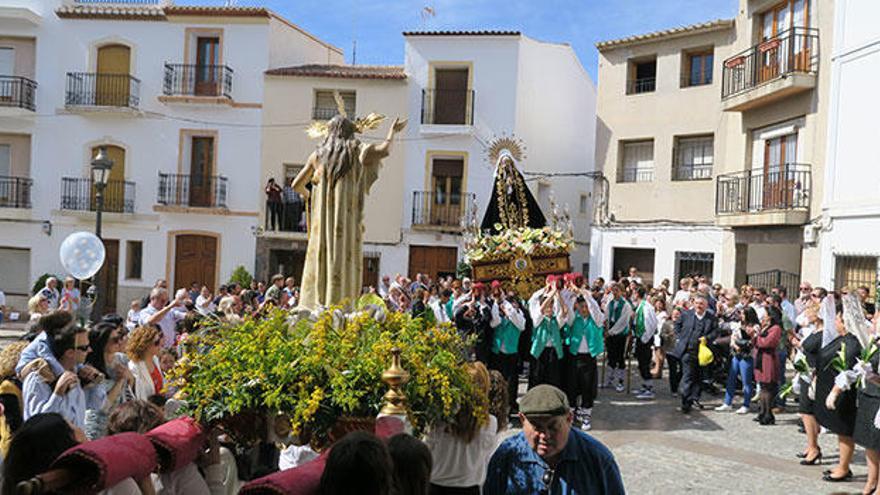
point(506, 338)
point(616, 310)
point(640, 320)
point(547, 330)
point(449, 307)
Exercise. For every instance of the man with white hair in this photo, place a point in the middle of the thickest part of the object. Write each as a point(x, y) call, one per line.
point(164, 315)
point(50, 292)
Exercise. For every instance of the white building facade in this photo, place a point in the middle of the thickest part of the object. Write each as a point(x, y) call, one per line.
point(464, 90)
point(848, 231)
point(175, 95)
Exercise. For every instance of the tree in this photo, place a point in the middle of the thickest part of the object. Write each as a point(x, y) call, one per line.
point(241, 276)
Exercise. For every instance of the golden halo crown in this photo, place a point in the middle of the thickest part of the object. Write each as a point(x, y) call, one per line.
point(512, 145)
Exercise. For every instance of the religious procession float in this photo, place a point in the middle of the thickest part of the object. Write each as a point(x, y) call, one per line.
point(515, 244)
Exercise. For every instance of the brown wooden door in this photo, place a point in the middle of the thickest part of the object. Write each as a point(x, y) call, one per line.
point(114, 193)
point(371, 272)
point(207, 60)
point(778, 184)
point(201, 171)
point(195, 260)
point(113, 68)
point(434, 261)
point(108, 276)
point(451, 96)
point(446, 204)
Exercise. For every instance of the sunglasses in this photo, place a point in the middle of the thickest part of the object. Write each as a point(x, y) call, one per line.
point(83, 348)
point(547, 479)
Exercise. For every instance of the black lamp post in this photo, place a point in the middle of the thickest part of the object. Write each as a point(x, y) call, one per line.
point(101, 166)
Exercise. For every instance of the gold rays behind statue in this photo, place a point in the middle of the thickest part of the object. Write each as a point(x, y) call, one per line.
point(513, 145)
point(318, 129)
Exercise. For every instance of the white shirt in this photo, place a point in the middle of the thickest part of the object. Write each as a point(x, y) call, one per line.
point(2, 299)
point(459, 464)
point(167, 324)
point(205, 306)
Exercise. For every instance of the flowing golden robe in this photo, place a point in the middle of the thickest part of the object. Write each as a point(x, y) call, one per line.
point(334, 259)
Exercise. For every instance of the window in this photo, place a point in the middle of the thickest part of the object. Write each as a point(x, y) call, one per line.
point(15, 265)
point(325, 104)
point(5, 160)
point(446, 191)
point(852, 272)
point(7, 68)
point(642, 76)
point(697, 68)
point(134, 251)
point(689, 263)
point(450, 101)
point(693, 158)
point(637, 164)
point(584, 204)
point(585, 269)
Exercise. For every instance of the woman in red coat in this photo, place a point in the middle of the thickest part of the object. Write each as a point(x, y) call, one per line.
point(767, 362)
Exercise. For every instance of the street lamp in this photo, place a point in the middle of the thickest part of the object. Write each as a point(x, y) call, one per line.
point(101, 166)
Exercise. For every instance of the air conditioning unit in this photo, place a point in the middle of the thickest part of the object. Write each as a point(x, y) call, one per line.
point(811, 234)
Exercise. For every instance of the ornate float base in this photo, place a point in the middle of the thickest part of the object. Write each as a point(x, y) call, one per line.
point(523, 273)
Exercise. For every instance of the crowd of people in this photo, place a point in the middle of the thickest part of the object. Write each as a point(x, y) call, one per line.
point(567, 340)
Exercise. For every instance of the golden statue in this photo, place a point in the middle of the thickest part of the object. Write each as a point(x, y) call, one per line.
point(340, 172)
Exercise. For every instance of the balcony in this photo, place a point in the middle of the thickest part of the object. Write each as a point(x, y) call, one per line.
point(85, 89)
point(18, 92)
point(641, 85)
point(774, 69)
point(777, 196)
point(210, 81)
point(78, 194)
point(15, 192)
point(193, 191)
point(442, 211)
point(289, 217)
point(448, 107)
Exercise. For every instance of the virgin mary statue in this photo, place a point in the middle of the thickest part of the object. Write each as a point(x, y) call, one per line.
point(336, 180)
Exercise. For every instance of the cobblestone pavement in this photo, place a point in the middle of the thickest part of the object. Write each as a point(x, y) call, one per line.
point(662, 451)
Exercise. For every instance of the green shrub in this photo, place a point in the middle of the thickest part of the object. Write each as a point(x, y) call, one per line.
point(241, 276)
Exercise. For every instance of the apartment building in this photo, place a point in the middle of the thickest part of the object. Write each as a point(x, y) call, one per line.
point(768, 125)
point(459, 91)
point(851, 211)
point(174, 94)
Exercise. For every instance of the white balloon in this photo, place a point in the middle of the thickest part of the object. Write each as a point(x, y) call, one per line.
point(82, 254)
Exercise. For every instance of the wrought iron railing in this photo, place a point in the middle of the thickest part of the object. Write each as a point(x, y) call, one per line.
point(431, 209)
point(287, 216)
point(197, 80)
point(684, 172)
point(79, 194)
point(792, 51)
point(775, 278)
point(641, 85)
point(15, 192)
point(784, 187)
point(18, 91)
point(448, 106)
point(203, 191)
point(635, 175)
point(102, 90)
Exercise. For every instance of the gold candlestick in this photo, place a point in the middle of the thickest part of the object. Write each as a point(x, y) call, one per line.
point(395, 377)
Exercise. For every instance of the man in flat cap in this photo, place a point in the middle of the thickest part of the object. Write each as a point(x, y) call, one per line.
point(549, 456)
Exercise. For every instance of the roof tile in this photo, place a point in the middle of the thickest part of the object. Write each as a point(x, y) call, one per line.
point(704, 27)
point(341, 71)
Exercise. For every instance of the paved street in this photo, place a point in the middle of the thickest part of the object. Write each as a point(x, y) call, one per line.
point(662, 451)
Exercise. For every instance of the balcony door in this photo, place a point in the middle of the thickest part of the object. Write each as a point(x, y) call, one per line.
point(446, 187)
point(782, 49)
point(778, 181)
point(451, 96)
point(114, 194)
point(108, 277)
point(7, 68)
point(112, 81)
point(201, 171)
point(207, 66)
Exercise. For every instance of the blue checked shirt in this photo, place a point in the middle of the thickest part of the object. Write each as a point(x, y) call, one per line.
point(585, 467)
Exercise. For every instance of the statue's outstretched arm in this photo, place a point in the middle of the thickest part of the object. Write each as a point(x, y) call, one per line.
point(303, 177)
point(383, 149)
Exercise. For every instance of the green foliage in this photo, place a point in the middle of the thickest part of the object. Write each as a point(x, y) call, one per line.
point(41, 282)
point(315, 372)
point(463, 270)
point(241, 276)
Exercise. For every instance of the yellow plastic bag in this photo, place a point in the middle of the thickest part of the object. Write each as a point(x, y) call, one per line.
point(704, 354)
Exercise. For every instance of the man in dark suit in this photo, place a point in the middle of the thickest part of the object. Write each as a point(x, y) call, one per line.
point(693, 325)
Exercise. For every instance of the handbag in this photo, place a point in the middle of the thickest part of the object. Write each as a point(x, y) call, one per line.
point(704, 354)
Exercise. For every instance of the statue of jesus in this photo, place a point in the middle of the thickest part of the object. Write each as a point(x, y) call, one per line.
point(341, 172)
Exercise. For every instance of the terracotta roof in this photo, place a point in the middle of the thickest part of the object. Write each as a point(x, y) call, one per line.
point(341, 71)
point(217, 11)
point(126, 12)
point(704, 27)
point(462, 33)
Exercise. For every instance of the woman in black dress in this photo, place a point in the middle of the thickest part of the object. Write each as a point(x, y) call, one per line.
point(866, 434)
point(840, 417)
point(810, 346)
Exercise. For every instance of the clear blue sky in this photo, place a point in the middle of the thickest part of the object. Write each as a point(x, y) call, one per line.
point(377, 24)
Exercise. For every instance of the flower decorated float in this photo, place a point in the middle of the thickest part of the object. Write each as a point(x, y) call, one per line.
point(515, 244)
